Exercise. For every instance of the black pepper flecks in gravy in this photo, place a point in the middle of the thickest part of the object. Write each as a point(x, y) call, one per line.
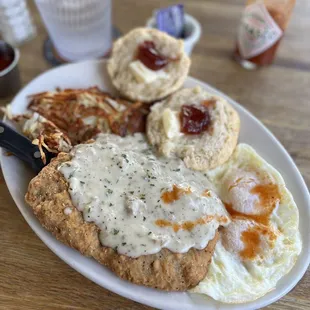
point(118, 184)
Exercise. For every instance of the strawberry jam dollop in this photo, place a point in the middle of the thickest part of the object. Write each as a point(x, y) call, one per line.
point(195, 119)
point(150, 56)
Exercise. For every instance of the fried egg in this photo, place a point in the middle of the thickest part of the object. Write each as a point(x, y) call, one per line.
point(262, 242)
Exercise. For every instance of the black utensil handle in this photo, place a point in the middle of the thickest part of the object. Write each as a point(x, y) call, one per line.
point(20, 146)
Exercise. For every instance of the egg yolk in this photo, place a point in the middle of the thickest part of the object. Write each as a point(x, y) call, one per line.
point(238, 188)
point(251, 199)
point(247, 239)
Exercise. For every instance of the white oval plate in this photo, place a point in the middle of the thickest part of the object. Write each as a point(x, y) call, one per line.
point(17, 176)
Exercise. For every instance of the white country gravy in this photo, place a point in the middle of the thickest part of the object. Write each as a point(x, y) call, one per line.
point(141, 203)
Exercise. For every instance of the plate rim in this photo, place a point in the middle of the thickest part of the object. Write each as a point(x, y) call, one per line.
point(303, 187)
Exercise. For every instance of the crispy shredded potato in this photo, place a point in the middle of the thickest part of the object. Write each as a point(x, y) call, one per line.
point(83, 113)
point(60, 119)
point(42, 132)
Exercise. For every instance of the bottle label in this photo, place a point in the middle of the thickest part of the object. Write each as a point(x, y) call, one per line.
point(257, 32)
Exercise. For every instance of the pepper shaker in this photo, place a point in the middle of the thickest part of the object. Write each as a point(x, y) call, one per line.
point(16, 25)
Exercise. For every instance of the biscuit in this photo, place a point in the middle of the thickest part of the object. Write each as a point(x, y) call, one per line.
point(203, 151)
point(165, 81)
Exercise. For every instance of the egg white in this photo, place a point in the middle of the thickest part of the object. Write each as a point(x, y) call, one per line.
point(232, 278)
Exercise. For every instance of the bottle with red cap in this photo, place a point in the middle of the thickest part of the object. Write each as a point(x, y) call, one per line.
point(261, 29)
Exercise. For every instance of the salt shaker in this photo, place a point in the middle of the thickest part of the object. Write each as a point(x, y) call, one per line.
point(16, 25)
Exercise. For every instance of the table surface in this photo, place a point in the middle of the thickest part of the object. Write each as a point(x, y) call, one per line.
point(32, 277)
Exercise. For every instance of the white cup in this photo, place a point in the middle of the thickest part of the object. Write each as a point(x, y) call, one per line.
point(192, 31)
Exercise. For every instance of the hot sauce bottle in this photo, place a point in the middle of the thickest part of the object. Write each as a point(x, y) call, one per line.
point(261, 29)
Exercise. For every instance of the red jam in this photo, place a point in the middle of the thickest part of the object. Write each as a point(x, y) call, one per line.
point(6, 56)
point(194, 119)
point(150, 57)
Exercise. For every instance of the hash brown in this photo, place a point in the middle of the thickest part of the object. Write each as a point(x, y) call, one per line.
point(83, 113)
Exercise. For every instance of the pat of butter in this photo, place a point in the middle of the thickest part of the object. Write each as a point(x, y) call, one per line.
point(171, 123)
point(144, 74)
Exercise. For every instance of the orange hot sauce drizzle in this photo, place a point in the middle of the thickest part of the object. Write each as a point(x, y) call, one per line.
point(187, 225)
point(251, 240)
point(175, 194)
point(206, 193)
point(268, 195)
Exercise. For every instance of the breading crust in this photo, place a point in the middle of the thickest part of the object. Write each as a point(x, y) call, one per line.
point(48, 196)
